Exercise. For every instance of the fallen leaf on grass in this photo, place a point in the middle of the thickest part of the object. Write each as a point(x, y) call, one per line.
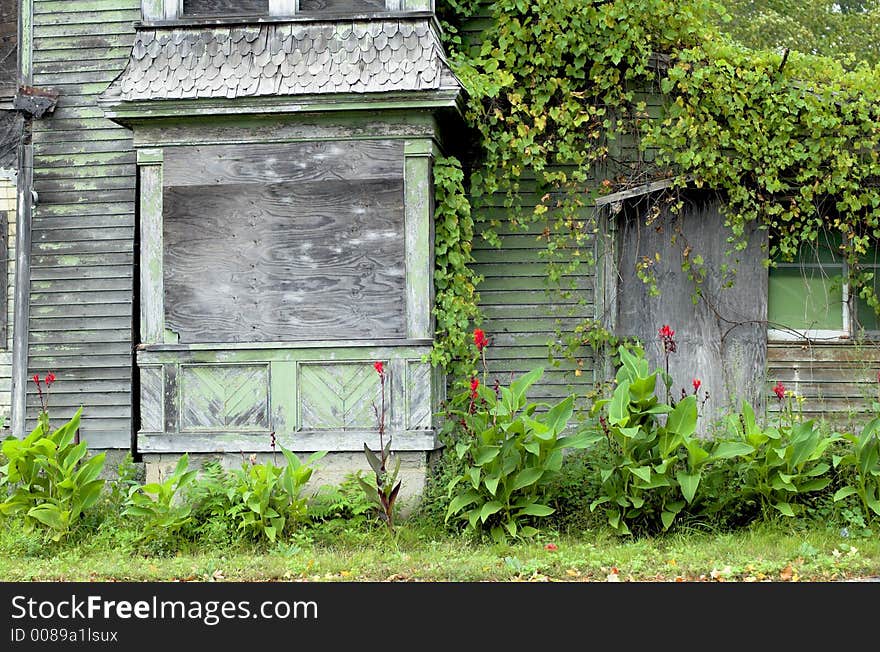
point(786, 574)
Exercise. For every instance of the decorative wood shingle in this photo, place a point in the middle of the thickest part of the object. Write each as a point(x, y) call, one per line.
point(295, 58)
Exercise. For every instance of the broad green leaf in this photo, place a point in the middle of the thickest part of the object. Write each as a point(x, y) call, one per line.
point(617, 407)
point(843, 492)
point(48, 515)
point(558, 416)
point(729, 449)
point(785, 508)
point(643, 472)
point(492, 483)
point(492, 507)
point(536, 509)
point(485, 454)
point(667, 518)
point(520, 386)
point(526, 478)
point(527, 531)
point(688, 483)
point(461, 501)
point(683, 419)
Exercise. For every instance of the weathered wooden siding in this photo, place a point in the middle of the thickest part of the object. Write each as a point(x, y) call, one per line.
point(525, 313)
point(721, 337)
point(8, 48)
point(839, 381)
point(7, 209)
point(273, 243)
point(83, 220)
point(339, 6)
point(225, 7)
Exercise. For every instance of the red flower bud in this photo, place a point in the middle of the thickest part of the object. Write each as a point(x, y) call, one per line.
point(779, 390)
point(480, 339)
point(50, 378)
point(379, 367)
point(37, 378)
point(696, 383)
point(475, 383)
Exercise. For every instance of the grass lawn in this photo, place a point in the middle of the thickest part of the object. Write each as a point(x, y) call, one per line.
point(769, 553)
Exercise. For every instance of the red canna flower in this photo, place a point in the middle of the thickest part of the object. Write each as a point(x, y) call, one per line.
point(475, 383)
point(480, 339)
point(552, 547)
point(379, 367)
point(50, 378)
point(667, 336)
point(37, 379)
point(696, 382)
point(779, 390)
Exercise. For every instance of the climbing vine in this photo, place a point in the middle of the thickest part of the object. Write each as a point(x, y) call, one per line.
point(455, 304)
point(560, 97)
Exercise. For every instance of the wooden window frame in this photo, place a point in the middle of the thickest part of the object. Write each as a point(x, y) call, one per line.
point(159, 10)
point(849, 318)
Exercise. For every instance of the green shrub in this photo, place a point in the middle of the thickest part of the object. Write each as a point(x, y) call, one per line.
point(862, 461)
point(779, 464)
point(48, 478)
point(160, 505)
point(511, 453)
point(655, 462)
point(266, 498)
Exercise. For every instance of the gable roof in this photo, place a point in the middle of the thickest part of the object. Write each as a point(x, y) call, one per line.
point(283, 58)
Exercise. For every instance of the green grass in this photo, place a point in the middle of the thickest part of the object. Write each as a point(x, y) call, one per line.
point(779, 551)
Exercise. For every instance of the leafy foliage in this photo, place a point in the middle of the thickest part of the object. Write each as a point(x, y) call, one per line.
point(265, 498)
point(779, 463)
point(49, 478)
point(511, 453)
point(845, 29)
point(160, 505)
point(455, 303)
point(863, 461)
point(655, 462)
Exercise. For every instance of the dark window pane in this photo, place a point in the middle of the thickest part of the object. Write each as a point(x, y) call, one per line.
point(340, 6)
point(225, 7)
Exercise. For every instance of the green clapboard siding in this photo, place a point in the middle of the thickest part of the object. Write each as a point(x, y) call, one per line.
point(524, 315)
point(83, 223)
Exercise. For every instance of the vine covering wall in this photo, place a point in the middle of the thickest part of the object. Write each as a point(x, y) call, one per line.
point(557, 106)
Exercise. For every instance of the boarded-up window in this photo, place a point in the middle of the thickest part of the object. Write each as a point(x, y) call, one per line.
point(340, 6)
point(225, 7)
point(8, 48)
point(282, 242)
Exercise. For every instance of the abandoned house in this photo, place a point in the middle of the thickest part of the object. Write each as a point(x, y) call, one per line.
point(217, 215)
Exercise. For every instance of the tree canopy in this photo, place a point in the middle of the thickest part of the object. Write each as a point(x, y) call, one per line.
point(847, 29)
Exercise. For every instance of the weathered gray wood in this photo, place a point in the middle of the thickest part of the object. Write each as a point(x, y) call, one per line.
point(311, 7)
point(285, 261)
point(8, 48)
point(722, 338)
point(225, 7)
point(283, 163)
point(170, 395)
point(303, 441)
point(419, 241)
point(4, 281)
point(239, 130)
point(20, 373)
point(152, 299)
point(224, 397)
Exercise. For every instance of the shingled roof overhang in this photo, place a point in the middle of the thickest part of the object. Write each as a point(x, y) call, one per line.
point(289, 66)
